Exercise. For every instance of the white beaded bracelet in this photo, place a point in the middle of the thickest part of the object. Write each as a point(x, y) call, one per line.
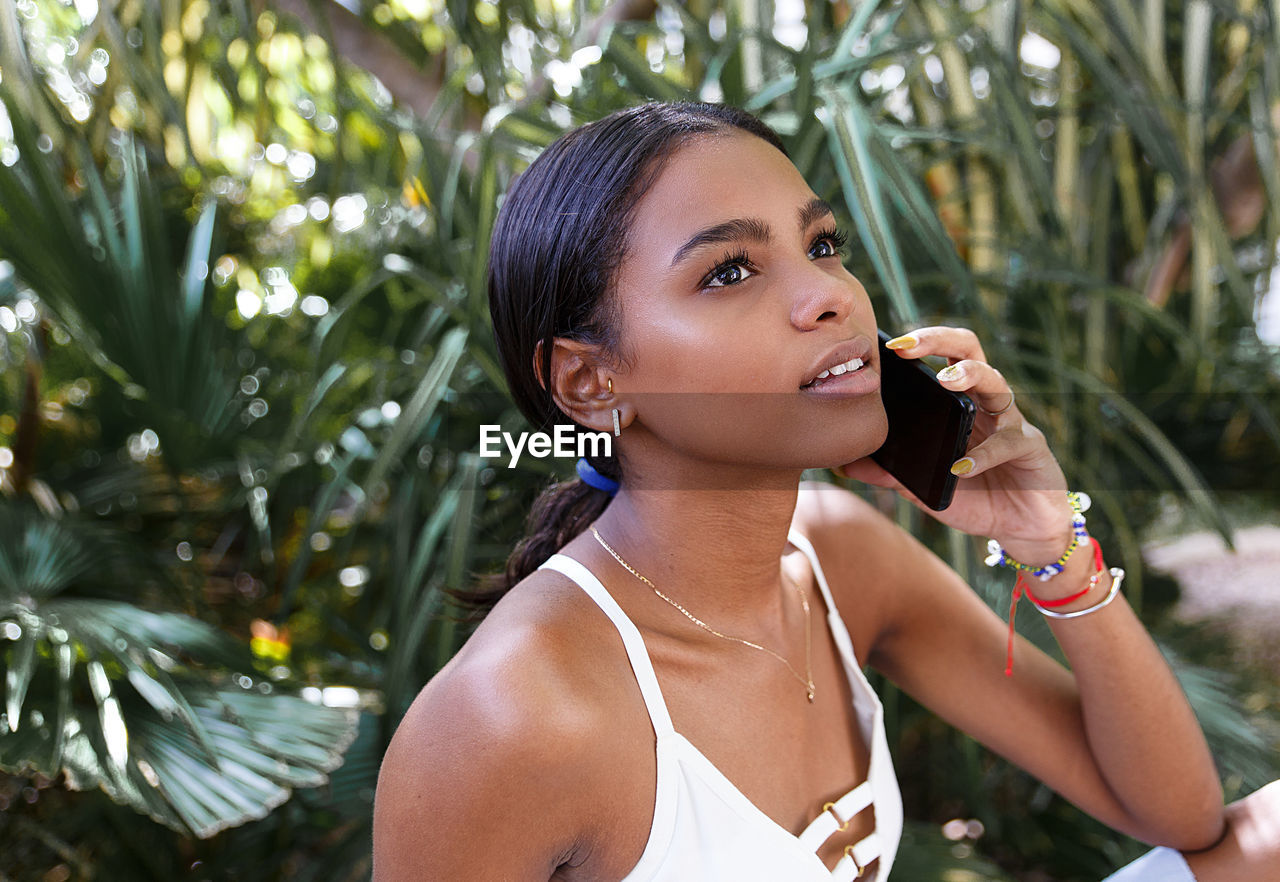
point(1117, 576)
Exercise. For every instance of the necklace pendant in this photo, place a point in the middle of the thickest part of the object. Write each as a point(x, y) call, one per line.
point(810, 692)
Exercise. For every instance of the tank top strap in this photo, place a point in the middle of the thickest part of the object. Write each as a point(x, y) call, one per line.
point(838, 629)
point(631, 639)
point(798, 539)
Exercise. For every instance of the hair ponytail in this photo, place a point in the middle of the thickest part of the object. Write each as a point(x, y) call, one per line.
point(558, 239)
point(561, 512)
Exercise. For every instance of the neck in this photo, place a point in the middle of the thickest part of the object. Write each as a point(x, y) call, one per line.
point(714, 549)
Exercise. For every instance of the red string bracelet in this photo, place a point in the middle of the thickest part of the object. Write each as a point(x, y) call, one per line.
point(1020, 587)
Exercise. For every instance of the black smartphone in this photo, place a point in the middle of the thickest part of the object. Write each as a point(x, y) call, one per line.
point(929, 427)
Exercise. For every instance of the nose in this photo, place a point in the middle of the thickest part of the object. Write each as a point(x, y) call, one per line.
point(825, 297)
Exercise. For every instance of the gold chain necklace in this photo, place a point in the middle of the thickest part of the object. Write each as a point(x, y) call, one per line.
point(807, 681)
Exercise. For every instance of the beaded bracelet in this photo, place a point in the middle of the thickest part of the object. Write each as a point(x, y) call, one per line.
point(997, 556)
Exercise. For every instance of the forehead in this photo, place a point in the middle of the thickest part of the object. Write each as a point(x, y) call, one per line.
point(714, 178)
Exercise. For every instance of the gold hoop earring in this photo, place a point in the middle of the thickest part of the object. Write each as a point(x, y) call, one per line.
point(611, 385)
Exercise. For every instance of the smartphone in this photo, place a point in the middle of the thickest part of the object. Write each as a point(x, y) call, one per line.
point(929, 427)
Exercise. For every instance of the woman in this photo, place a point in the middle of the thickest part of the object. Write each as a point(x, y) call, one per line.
point(666, 275)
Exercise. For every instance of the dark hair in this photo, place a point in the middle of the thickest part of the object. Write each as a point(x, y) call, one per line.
point(559, 237)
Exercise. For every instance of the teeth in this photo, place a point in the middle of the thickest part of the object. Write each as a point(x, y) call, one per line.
point(851, 365)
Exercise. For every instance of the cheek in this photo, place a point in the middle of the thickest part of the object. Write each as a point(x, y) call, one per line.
point(695, 352)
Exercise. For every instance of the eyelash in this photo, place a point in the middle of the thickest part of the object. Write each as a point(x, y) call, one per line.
point(835, 235)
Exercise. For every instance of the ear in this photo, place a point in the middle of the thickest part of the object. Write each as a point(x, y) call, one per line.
point(580, 377)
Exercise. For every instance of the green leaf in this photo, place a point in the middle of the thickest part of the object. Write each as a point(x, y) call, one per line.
point(39, 556)
point(486, 202)
point(413, 417)
point(1181, 470)
point(631, 64)
point(847, 126)
point(21, 667)
point(1140, 110)
point(918, 210)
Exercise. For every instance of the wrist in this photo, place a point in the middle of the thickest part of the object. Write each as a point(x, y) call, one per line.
point(1082, 579)
point(1069, 584)
point(1037, 549)
point(1041, 552)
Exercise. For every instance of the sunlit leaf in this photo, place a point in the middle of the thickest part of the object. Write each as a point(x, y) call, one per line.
point(847, 125)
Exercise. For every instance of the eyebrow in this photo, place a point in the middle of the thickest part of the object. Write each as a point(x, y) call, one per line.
point(750, 229)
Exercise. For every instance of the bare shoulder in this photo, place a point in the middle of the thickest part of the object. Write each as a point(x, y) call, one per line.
point(850, 533)
point(505, 744)
point(917, 621)
point(824, 507)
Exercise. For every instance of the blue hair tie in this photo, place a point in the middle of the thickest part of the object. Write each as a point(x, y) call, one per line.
point(588, 473)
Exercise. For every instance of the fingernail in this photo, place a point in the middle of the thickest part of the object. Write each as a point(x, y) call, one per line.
point(951, 372)
point(906, 341)
point(962, 466)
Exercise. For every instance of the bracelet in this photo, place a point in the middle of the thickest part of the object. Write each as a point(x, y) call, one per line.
point(1117, 576)
point(1099, 566)
point(1020, 588)
point(997, 556)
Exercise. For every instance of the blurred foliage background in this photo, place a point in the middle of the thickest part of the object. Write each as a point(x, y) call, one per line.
point(246, 355)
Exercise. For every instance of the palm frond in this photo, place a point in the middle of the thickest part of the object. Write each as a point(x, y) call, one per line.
point(152, 720)
point(102, 264)
point(848, 127)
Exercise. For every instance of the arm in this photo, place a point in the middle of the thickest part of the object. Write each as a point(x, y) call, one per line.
point(484, 776)
point(1250, 852)
point(1114, 734)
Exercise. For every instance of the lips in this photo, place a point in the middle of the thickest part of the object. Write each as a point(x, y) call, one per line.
point(837, 362)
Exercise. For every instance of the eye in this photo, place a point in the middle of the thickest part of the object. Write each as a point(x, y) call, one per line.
point(733, 270)
point(828, 243)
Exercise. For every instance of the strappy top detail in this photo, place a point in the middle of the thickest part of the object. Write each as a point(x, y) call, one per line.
point(631, 639)
point(704, 827)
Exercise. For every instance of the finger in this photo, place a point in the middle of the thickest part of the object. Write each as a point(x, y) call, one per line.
point(868, 471)
point(981, 382)
point(955, 344)
point(1006, 445)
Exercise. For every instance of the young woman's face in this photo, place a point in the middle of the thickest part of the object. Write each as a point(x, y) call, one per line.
point(733, 298)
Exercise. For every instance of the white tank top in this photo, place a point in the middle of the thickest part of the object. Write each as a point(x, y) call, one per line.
point(705, 828)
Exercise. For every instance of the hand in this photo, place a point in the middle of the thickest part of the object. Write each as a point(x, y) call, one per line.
point(1250, 850)
point(1024, 505)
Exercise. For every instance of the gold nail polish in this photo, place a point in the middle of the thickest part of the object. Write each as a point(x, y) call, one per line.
point(906, 341)
point(962, 466)
point(951, 372)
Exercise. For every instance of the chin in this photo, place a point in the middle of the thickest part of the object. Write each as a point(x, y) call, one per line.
point(864, 438)
point(880, 431)
point(864, 445)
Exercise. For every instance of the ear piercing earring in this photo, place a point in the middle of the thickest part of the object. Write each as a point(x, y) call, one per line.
point(617, 425)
